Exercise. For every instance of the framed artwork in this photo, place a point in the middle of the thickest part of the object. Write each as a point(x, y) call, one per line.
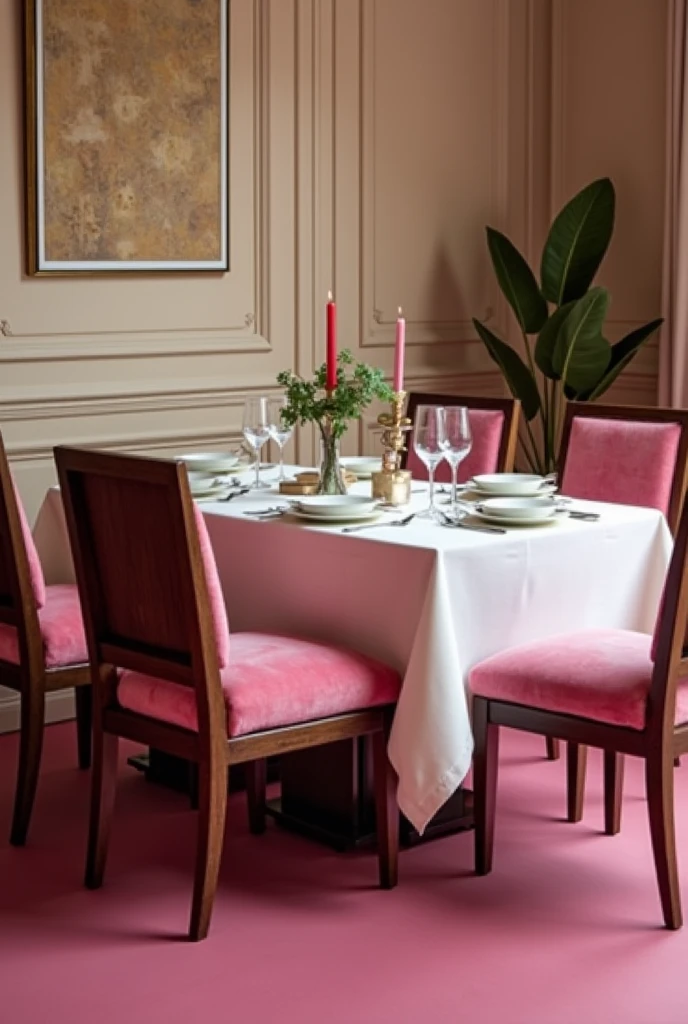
point(126, 135)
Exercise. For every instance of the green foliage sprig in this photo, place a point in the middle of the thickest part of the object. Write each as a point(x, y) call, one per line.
point(308, 401)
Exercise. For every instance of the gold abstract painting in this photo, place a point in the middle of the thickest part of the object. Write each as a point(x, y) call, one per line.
point(127, 107)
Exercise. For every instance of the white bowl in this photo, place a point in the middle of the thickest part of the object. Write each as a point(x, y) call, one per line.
point(197, 479)
point(510, 484)
point(361, 465)
point(518, 508)
point(335, 504)
point(210, 462)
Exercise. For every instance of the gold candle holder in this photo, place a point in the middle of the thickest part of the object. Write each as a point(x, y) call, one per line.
point(392, 483)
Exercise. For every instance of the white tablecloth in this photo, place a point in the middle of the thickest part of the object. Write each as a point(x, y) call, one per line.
point(430, 601)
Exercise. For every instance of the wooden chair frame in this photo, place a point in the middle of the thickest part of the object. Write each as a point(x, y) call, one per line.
point(576, 759)
point(209, 748)
point(509, 406)
point(659, 743)
point(30, 678)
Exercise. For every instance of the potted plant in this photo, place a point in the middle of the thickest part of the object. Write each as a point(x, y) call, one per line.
point(308, 401)
point(561, 320)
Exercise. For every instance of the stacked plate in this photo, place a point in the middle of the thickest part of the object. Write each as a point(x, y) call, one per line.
point(512, 485)
point(515, 499)
point(362, 466)
point(209, 472)
point(335, 508)
point(518, 511)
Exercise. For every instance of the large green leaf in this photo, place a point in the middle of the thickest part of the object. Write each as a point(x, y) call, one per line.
point(577, 242)
point(581, 355)
point(517, 281)
point(622, 353)
point(517, 375)
point(547, 339)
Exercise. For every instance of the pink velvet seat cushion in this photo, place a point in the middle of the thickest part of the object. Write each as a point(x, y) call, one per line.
point(62, 630)
point(599, 674)
point(218, 609)
point(271, 681)
point(624, 461)
point(486, 427)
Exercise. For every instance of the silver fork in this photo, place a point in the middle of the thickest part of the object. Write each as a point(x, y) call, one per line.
point(272, 510)
point(369, 526)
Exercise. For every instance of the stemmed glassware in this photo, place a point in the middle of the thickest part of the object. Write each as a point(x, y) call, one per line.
point(429, 442)
point(458, 441)
point(279, 431)
point(256, 430)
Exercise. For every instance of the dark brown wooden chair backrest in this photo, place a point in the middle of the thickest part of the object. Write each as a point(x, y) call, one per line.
point(17, 602)
point(671, 663)
point(139, 568)
point(509, 408)
point(635, 414)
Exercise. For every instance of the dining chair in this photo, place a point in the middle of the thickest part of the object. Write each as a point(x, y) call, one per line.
point(494, 426)
point(622, 691)
point(42, 647)
point(168, 674)
point(630, 455)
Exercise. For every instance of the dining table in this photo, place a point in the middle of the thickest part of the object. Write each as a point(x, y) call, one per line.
point(430, 599)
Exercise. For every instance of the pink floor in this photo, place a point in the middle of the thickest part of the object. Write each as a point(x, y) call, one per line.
point(566, 930)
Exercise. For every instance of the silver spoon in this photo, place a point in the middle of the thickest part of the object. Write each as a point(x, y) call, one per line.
point(369, 526)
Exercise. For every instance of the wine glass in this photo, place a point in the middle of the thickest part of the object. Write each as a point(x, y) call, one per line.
point(429, 442)
point(459, 441)
point(256, 430)
point(280, 432)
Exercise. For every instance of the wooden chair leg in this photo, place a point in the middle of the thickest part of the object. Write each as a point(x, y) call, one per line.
point(256, 773)
point(613, 791)
point(103, 786)
point(386, 811)
point(659, 778)
point(30, 747)
point(485, 763)
point(553, 750)
point(212, 798)
point(576, 760)
point(84, 716)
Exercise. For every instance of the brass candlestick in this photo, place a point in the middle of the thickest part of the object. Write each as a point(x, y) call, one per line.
point(391, 483)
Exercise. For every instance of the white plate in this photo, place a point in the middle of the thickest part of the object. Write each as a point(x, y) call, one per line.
point(328, 505)
point(362, 466)
point(219, 490)
point(510, 484)
point(340, 517)
point(518, 508)
point(210, 462)
point(501, 520)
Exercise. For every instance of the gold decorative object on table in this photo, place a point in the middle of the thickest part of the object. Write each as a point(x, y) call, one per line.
point(392, 483)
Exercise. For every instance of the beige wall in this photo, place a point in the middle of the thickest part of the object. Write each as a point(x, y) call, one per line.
point(370, 142)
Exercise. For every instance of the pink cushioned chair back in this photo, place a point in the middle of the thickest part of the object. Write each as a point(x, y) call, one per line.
point(22, 586)
point(636, 459)
point(494, 423)
point(147, 579)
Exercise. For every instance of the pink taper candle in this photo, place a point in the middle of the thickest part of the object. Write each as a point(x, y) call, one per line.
point(399, 352)
point(331, 357)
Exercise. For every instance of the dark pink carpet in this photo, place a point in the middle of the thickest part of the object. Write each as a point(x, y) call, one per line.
point(566, 930)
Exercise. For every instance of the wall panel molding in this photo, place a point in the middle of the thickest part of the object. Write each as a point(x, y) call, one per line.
point(377, 324)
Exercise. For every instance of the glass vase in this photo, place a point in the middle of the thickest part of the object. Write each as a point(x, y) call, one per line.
point(331, 472)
